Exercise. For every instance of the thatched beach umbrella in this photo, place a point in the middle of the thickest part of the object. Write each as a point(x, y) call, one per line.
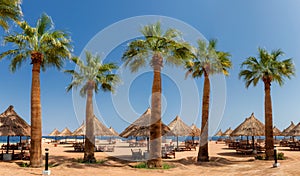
point(65, 133)
point(276, 131)
point(288, 129)
point(227, 132)
point(141, 127)
point(219, 133)
point(179, 128)
point(295, 131)
point(11, 124)
point(54, 133)
point(113, 131)
point(80, 131)
point(250, 127)
point(195, 132)
point(100, 129)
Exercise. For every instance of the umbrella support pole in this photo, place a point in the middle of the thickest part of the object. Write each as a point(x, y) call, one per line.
point(7, 145)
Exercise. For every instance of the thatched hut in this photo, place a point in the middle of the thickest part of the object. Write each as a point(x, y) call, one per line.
point(80, 131)
point(179, 128)
point(288, 129)
point(219, 133)
point(250, 127)
point(195, 132)
point(100, 129)
point(295, 131)
point(141, 128)
point(11, 124)
point(227, 132)
point(276, 131)
point(113, 131)
point(55, 132)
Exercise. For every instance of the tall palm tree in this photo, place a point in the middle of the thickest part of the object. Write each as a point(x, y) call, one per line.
point(10, 10)
point(45, 47)
point(208, 61)
point(92, 76)
point(154, 48)
point(267, 68)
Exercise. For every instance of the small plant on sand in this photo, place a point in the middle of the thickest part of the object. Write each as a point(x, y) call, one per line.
point(260, 157)
point(280, 156)
point(143, 165)
point(24, 164)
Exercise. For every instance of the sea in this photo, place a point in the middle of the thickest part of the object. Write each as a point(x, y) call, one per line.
point(16, 139)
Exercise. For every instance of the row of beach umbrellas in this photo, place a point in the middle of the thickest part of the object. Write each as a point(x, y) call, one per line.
point(100, 130)
point(11, 124)
point(251, 126)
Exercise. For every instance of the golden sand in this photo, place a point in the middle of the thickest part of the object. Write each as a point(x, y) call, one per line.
point(223, 162)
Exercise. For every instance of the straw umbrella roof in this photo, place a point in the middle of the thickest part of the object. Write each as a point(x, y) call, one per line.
point(65, 132)
point(100, 129)
point(250, 127)
point(11, 124)
point(141, 127)
point(295, 131)
point(179, 128)
point(195, 131)
point(288, 129)
point(276, 131)
point(227, 132)
point(79, 131)
point(113, 131)
point(55, 132)
point(219, 133)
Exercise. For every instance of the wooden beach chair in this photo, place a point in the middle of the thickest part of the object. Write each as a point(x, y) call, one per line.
point(136, 154)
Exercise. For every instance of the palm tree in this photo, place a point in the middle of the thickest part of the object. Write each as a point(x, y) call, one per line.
point(46, 48)
point(9, 10)
point(268, 69)
point(90, 77)
point(208, 61)
point(154, 48)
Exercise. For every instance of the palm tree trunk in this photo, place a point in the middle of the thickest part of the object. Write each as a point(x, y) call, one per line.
point(89, 146)
point(203, 149)
point(155, 160)
point(268, 122)
point(36, 115)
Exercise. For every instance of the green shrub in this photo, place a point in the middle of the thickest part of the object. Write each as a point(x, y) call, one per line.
point(260, 157)
point(280, 156)
point(24, 165)
point(143, 165)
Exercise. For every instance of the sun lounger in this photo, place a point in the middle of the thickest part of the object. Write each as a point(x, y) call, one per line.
point(168, 152)
point(136, 154)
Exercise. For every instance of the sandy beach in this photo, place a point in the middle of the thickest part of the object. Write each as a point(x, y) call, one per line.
point(224, 161)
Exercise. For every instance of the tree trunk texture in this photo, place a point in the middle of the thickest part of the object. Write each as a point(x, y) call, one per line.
point(155, 160)
point(268, 122)
point(36, 115)
point(203, 148)
point(89, 146)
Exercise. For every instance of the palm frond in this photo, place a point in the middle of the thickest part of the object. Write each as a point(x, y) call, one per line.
point(267, 67)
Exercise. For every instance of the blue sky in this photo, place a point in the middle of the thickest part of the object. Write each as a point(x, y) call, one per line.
point(240, 27)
